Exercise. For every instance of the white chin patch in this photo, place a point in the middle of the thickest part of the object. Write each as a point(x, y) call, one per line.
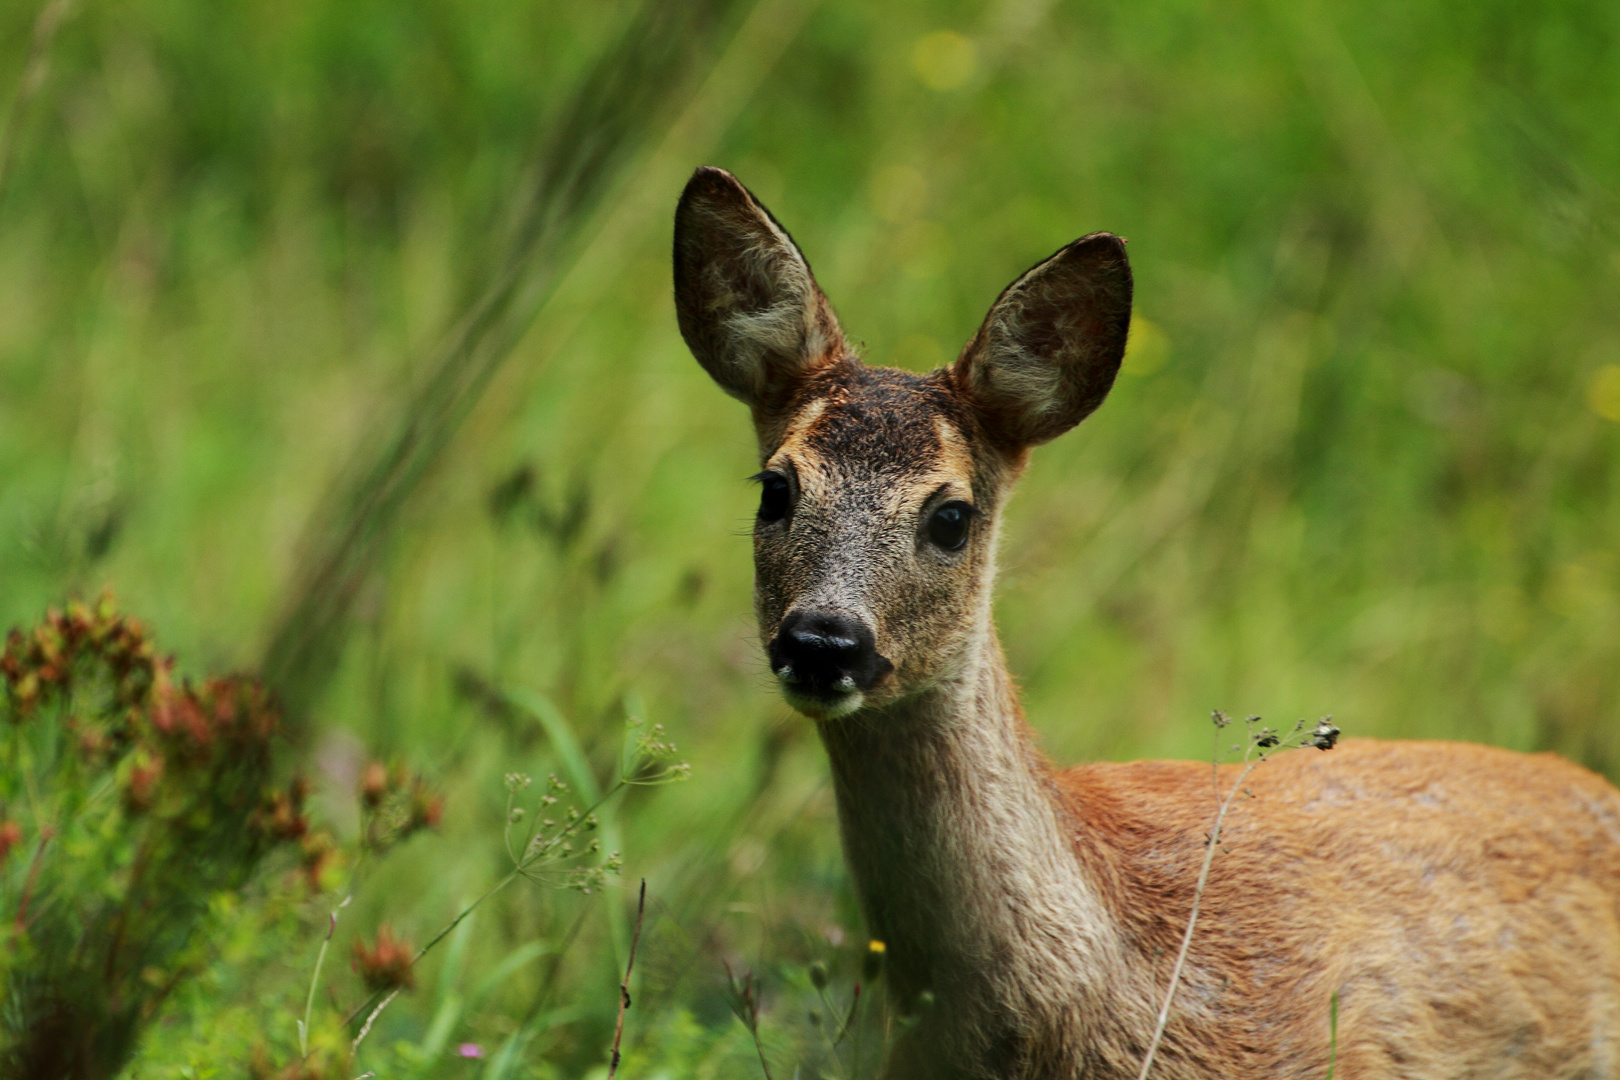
point(818, 709)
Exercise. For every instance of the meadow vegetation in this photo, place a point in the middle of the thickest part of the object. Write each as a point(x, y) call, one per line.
point(336, 340)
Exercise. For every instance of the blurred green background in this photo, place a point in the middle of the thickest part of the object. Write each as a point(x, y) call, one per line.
point(336, 339)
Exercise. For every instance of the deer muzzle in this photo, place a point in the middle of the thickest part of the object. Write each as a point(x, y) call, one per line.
point(826, 662)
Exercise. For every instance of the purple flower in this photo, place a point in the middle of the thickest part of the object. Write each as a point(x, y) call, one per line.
point(470, 1050)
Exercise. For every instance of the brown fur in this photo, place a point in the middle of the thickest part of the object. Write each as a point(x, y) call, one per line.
point(1462, 902)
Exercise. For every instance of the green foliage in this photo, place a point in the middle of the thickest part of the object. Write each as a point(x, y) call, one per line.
point(1362, 458)
point(131, 806)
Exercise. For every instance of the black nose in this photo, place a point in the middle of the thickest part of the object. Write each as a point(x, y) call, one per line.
point(826, 654)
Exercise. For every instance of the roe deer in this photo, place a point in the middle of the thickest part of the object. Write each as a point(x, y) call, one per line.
point(1462, 902)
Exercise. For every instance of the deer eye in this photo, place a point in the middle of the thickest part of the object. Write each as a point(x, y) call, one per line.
point(775, 496)
point(948, 526)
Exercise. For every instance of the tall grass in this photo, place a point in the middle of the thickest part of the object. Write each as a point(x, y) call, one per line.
point(1362, 459)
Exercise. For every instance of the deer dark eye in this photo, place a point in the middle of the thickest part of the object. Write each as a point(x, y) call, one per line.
point(948, 526)
point(775, 496)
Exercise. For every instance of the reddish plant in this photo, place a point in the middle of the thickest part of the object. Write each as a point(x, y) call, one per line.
point(148, 797)
point(385, 964)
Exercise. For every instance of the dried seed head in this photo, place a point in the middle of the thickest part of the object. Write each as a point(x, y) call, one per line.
point(385, 965)
point(373, 785)
point(1324, 735)
point(427, 809)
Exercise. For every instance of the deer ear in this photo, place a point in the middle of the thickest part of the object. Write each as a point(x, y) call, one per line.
point(1048, 351)
point(748, 306)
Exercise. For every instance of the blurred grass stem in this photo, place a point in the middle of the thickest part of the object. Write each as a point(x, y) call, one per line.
point(582, 159)
point(46, 25)
point(1249, 764)
point(315, 978)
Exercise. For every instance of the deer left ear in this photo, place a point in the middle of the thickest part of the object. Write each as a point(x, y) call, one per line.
point(1048, 351)
point(747, 303)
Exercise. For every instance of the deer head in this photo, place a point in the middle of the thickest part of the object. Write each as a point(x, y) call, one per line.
point(874, 547)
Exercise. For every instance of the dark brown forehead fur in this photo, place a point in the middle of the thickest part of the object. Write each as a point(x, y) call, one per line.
point(883, 420)
point(883, 417)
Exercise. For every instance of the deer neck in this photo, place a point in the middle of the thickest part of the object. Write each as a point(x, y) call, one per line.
point(964, 856)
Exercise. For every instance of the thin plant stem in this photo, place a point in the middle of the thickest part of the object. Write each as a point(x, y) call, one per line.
point(1192, 918)
point(826, 1035)
point(440, 936)
point(366, 1029)
point(745, 1007)
point(1333, 1036)
point(314, 981)
point(849, 1020)
point(624, 987)
point(759, 1048)
point(468, 910)
point(326, 942)
point(517, 871)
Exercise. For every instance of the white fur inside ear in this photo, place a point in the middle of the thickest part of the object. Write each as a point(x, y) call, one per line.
point(782, 333)
point(747, 300)
point(1052, 343)
point(1015, 372)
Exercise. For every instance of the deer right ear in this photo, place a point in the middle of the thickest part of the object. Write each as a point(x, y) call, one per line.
point(1048, 351)
point(748, 306)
